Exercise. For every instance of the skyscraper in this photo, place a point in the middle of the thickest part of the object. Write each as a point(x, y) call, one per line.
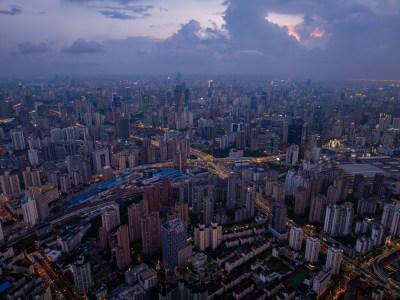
point(101, 158)
point(167, 191)
point(250, 203)
point(33, 157)
point(300, 201)
point(111, 218)
point(125, 128)
point(278, 217)
point(312, 249)
point(174, 242)
point(151, 233)
point(29, 211)
point(135, 213)
point(317, 209)
point(296, 237)
point(339, 219)
point(334, 259)
point(82, 274)
point(17, 138)
point(151, 195)
point(122, 250)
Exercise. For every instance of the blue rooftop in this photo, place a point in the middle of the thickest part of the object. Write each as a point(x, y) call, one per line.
point(93, 191)
point(4, 286)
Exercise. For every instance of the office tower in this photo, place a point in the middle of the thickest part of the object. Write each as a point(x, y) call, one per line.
point(378, 188)
point(1, 233)
point(358, 186)
point(17, 139)
point(111, 219)
point(250, 203)
point(292, 155)
point(317, 209)
point(180, 160)
point(122, 250)
point(9, 183)
point(151, 195)
point(351, 137)
point(300, 201)
point(100, 158)
point(174, 243)
point(151, 232)
point(312, 249)
point(339, 219)
point(125, 128)
point(334, 259)
point(29, 211)
point(279, 192)
point(317, 119)
point(31, 178)
point(295, 131)
point(167, 191)
point(135, 213)
point(82, 274)
point(33, 157)
point(278, 217)
point(147, 110)
point(296, 238)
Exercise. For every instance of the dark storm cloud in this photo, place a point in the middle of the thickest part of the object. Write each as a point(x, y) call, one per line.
point(81, 46)
point(14, 10)
point(32, 48)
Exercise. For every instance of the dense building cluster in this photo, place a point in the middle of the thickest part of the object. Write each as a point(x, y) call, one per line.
point(159, 188)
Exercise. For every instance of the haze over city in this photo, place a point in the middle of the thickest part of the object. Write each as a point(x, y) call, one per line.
point(199, 149)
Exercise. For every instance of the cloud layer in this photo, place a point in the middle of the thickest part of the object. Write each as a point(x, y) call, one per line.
point(14, 10)
point(332, 39)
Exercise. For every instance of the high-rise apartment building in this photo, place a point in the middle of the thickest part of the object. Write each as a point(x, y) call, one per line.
point(312, 249)
point(82, 274)
point(339, 219)
point(122, 250)
point(135, 213)
point(334, 259)
point(151, 232)
point(296, 238)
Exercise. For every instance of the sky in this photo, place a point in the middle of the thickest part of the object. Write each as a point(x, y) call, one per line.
point(339, 39)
